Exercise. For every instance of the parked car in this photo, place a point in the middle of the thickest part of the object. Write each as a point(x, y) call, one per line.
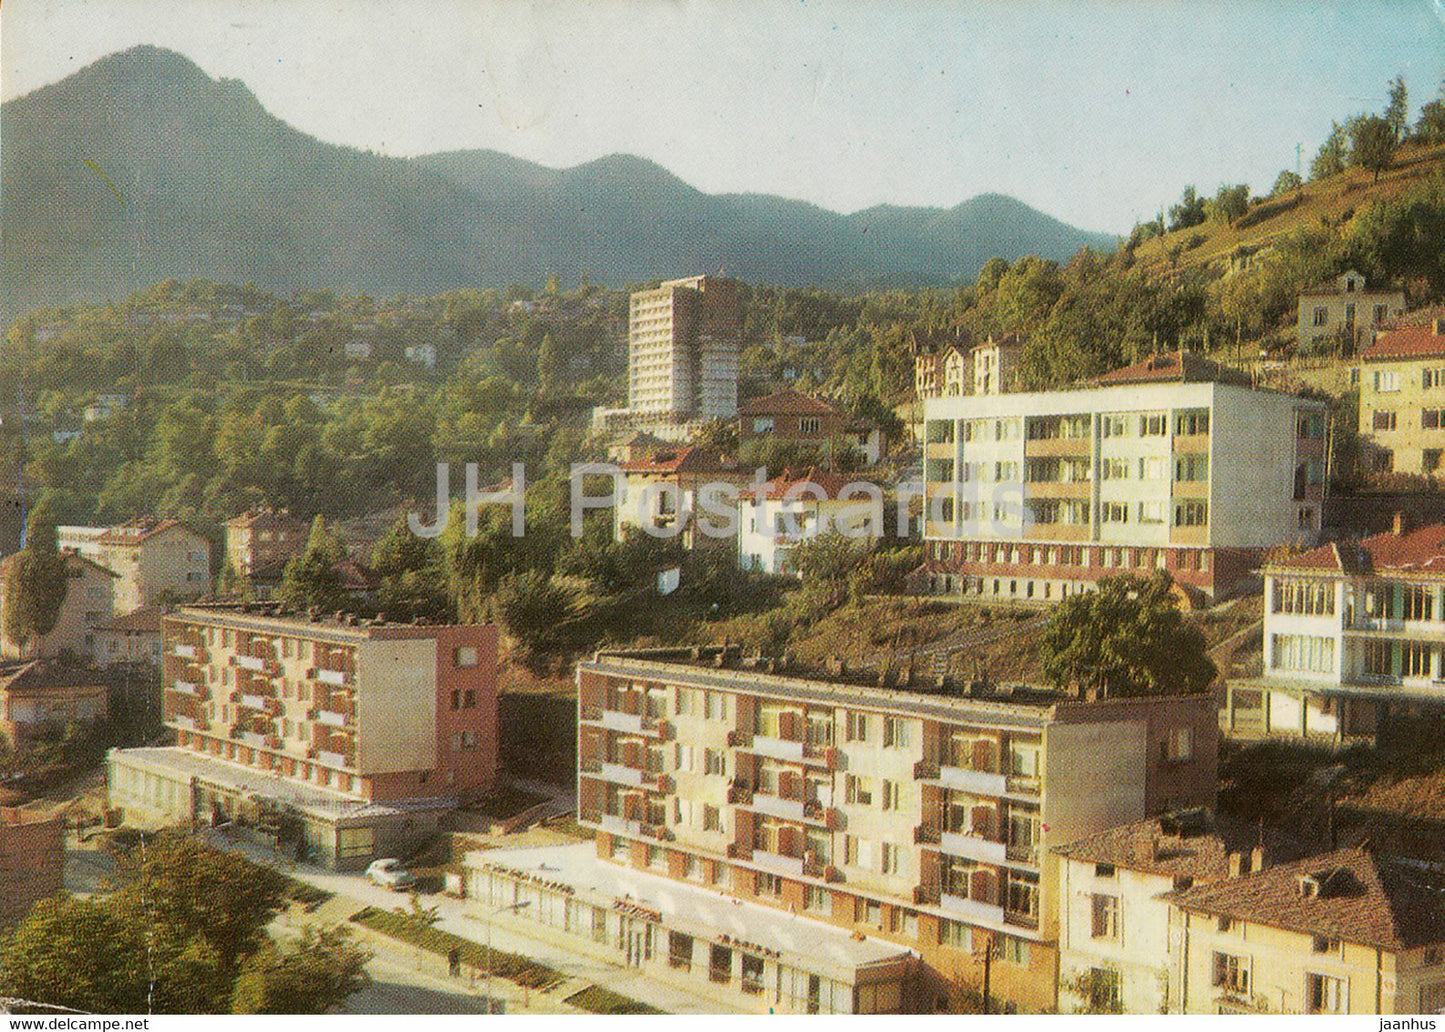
point(390, 874)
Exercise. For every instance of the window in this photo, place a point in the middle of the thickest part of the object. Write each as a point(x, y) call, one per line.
point(1023, 894)
point(1191, 468)
point(1104, 991)
point(955, 935)
point(1430, 460)
point(752, 981)
point(858, 727)
point(1151, 512)
point(714, 762)
point(1431, 379)
point(1231, 974)
point(1013, 950)
point(1104, 871)
point(897, 733)
point(1156, 468)
point(809, 425)
point(1321, 316)
point(1387, 380)
point(1114, 424)
point(890, 794)
point(817, 899)
point(679, 951)
point(1191, 514)
point(1303, 598)
point(1115, 469)
point(872, 913)
point(711, 818)
point(1153, 424)
point(859, 790)
point(1105, 910)
point(1191, 422)
point(464, 656)
point(1416, 659)
point(1325, 995)
point(1323, 944)
point(889, 858)
point(1419, 602)
point(1178, 745)
point(1304, 653)
point(1113, 512)
point(769, 885)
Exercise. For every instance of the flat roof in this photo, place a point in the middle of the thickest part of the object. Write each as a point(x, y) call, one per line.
point(230, 776)
point(264, 618)
point(692, 909)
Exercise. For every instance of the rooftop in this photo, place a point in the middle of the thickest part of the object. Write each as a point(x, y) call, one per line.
point(47, 675)
point(1350, 894)
point(145, 620)
point(1174, 367)
point(141, 529)
point(692, 909)
point(1395, 551)
point(1337, 286)
point(1419, 340)
point(786, 402)
point(1194, 843)
point(273, 617)
point(805, 486)
point(681, 460)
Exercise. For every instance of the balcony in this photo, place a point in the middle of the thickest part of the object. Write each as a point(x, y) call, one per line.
point(330, 718)
point(1019, 919)
point(978, 782)
point(740, 793)
point(254, 739)
point(619, 774)
point(185, 651)
point(1018, 784)
point(632, 723)
point(971, 910)
point(792, 866)
point(740, 739)
point(253, 663)
point(335, 678)
point(1026, 855)
point(255, 702)
point(925, 895)
point(972, 847)
point(739, 851)
point(333, 759)
point(777, 806)
point(777, 748)
point(926, 835)
point(925, 770)
point(190, 688)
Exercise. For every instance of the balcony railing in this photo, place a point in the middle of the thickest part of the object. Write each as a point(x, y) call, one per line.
point(926, 834)
point(333, 759)
point(972, 847)
point(1020, 784)
point(330, 718)
point(190, 688)
point(1021, 919)
point(336, 678)
point(976, 781)
point(778, 863)
point(970, 910)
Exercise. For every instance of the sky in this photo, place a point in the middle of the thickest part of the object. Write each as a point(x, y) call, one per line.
point(1098, 112)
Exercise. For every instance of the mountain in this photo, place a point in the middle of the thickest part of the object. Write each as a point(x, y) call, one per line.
point(140, 167)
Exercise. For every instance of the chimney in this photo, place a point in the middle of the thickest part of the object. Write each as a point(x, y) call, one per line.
point(1235, 865)
point(1258, 860)
point(1402, 523)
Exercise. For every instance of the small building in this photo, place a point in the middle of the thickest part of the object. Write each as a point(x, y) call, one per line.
point(261, 538)
point(1347, 932)
point(41, 698)
point(788, 415)
point(1347, 311)
point(424, 355)
point(1114, 933)
point(1402, 400)
point(1352, 641)
point(157, 560)
point(358, 350)
point(782, 513)
point(131, 638)
point(89, 602)
point(32, 861)
point(664, 493)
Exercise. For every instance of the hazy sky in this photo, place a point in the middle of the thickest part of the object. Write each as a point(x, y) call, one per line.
point(1096, 111)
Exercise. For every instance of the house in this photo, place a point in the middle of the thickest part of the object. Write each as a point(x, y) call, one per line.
point(155, 560)
point(1402, 400)
point(354, 578)
point(1174, 463)
point(132, 638)
point(349, 738)
point(1347, 932)
point(781, 513)
point(89, 602)
point(663, 493)
point(1352, 641)
point(939, 360)
point(1347, 311)
point(358, 350)
point(866, 437)
point(910, 815)
point(41, 698)
point(32, 861)
point(424, 355)
point(1114, 935)
point(788, 415)
point(261, 538)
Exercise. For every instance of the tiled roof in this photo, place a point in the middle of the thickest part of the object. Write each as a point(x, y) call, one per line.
point(70, 557)
point(1174, 367)
point(1416, 551)
point(1195, 844)
point(1416, 341)
point(45, 675)
point(936, 341)
point(680, 460)
point(139, 530)
point(262, 517)
point(830, 484)
point(1335, 286)
point(146, 619)
point(786, 402)
point(1008, 340)
point(1361, 898)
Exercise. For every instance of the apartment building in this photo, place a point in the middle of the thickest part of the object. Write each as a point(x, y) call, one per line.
point(1347, 311)
point(352, 737)
point(1175, 463)
point(32, 861)
point(683, 344)
point(89, 602)
point(155, 560)
point(261, 539)
point(1114, 931)
point(922, 818)
point(1348, 932)
point(945, 366)
point(1353, 635)
point(1402, 400)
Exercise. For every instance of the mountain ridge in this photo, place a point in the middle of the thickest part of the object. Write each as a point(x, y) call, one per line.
point(141, 167)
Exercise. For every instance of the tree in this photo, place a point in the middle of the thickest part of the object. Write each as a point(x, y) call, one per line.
point(313, 977)
point(1398, 109)
point(35, 585)
point(1330, 159)
point(75, 953)
point(1127, 638)
point(311, 580)
point(322, 539)
point(1230, 202)
point(1285, 182)
point(549, 367)
point(1372, 144)
point(1190, 211)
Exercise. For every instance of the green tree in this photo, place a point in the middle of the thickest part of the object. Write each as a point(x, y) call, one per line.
point(1372, 144)
point(531, 606)
point(1127, 638)
point(1190, 211)
point(1286, 181)
point(1332, 155)
point(310, 579)
point(35, 585)
point(313, 977)
point(75, 953)
point(549, 367)
point(322, 539)
point(1230, 202)
point(1398, 108)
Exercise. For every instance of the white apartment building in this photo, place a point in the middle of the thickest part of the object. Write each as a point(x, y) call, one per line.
point(683, 344)
point(1173, 464)
point(1353, 638)
point(788, 510)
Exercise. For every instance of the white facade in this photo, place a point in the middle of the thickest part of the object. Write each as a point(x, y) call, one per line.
point(772, 528)
point(683, 347)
